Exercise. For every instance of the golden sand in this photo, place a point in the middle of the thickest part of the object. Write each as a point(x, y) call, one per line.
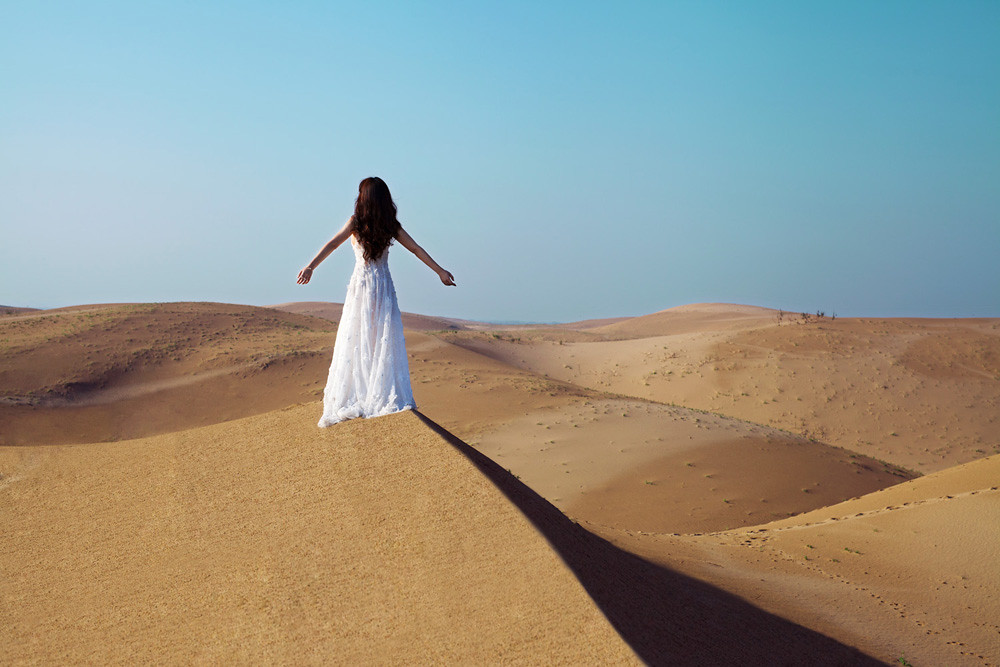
point(747, 489)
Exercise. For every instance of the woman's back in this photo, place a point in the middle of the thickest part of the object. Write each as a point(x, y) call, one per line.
point(369, 374)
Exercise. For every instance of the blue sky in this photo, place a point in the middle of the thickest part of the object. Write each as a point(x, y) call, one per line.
point(564, 160)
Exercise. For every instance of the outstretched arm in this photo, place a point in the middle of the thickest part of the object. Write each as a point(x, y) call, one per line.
point(334, 243)
point(407, 242)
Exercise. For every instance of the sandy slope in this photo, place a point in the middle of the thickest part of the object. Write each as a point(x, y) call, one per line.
point(923, 394)
point(694, 317)
point(119, 371)
point(270, 539)
point(127, 371)
point(116, 371)
point(644, 466)
point(911, 570)
point(385, 540)
point(15, 310)
point(581, 414)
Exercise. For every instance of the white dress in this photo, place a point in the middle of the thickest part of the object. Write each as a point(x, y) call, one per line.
point(369, 374)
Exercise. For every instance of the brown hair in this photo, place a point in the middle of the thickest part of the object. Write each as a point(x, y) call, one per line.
point(375, 223)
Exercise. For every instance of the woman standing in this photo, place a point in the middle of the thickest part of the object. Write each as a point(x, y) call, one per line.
point(369, 374)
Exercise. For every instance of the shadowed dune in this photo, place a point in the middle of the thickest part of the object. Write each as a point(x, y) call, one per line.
point(908, 570)
point(666, 617)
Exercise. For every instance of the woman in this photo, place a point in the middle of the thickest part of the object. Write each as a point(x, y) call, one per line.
point(369, 374)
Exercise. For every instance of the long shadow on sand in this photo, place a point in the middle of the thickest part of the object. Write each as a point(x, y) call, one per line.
point(666, 617)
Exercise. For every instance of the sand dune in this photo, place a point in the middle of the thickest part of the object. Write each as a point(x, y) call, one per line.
point(923, 394)
point(266, 539)
point(113, 372)
point(762, 467)
point(649, 467)
point(909, 570)
point(270, 539)
point(332, 311)
point(110, 372)
point(15, 310)
point(690, 318)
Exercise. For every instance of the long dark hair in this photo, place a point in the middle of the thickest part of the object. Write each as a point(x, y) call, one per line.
point(375, 223)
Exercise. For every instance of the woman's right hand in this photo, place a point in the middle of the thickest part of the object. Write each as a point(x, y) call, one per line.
point(304, 276)
point(446, 277)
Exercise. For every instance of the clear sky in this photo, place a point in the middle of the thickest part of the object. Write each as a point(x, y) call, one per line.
point(565, 160)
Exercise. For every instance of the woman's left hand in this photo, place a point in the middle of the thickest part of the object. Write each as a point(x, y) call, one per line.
point(304, 276)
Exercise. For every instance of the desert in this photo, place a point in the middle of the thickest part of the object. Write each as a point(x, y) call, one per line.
point(479, 333)
point(709, 484)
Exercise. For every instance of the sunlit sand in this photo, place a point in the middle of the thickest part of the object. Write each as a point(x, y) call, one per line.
point(713, 482)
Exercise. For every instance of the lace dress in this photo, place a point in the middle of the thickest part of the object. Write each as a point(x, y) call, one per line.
point(369, 374)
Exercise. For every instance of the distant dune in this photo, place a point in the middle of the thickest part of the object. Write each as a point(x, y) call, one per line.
point(923, 394)
point(799, 489)
point(332, 311)
point(14, 310)
point(691, 318)
point(108, 372)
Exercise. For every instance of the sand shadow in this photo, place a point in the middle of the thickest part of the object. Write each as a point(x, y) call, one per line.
point(666, 617)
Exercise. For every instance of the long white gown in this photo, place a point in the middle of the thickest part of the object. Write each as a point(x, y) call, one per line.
point(369, 374)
